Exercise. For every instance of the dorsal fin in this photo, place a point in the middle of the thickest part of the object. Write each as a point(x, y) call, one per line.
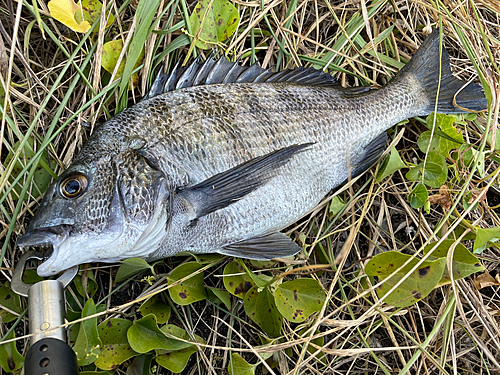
point(213, 72)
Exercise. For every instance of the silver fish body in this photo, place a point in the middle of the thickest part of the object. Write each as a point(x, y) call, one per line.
point(224, 167)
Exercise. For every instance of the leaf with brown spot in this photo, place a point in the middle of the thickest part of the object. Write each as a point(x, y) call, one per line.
point(298, 299)
point(190, 290)
point(464, 263)
point(417, 285)
point(10, 358)
point(217, 23)
point(236, 280)
point(261, 308)
point(156, 306)
point(115, 346)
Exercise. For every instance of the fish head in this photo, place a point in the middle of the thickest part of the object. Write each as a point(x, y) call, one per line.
point(106, 209)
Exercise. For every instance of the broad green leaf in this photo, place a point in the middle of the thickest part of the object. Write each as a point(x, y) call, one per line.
point(217, 23)
point(296, 300)
point(42, 176)
point(130, 267)
point(418, 196)
point(190, 290)
point(144, 335)
point(175, 358)
point(91, 286)
point(236, 281)
point(483, 236)
point(261, 308)
point(115, 346)
point(217, 295)
point(392, 163)
point(157, 307)
point(92, 10)
point(88, 344)
point(238, 366)
point(416, 285)
point(9, 300)
point(260, 280)
point(10, 358)
point(111, 52)
point(436, 171)
point(67, 12)
point(463, 263)
point(336, 206)
point(440, 144)
point(141, 365)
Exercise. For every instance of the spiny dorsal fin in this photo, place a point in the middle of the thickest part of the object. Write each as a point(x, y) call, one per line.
point(213, 72)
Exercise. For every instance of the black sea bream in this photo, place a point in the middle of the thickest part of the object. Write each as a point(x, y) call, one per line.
point(218, 158)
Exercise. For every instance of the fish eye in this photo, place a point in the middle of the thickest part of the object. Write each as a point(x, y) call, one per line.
point(73, 186)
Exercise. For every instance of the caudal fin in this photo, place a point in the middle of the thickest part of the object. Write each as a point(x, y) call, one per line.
point(454, 96)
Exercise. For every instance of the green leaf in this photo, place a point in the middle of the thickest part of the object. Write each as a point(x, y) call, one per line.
point(115, 346)
point(463, 263)
point(91, 285)
point(238, 366)
point(260, 280)
point(217, 296)
point(111, 52)
point(88, 344)
point(10, 358)
point(217, 23)
point(436, 171)
point(236, 281)
point(392, 163)
point(418, 196)
point(416, 286)
point(190, 290)
point(336, 206)
point(175, 358)
point(261, 308)
point(440, 144)
point(298, 299)
point(9, 300)
point(483, 236)
point(141, 365)
point(144, 335)
point(157, 307)
point(130, 267)
point(92, 10)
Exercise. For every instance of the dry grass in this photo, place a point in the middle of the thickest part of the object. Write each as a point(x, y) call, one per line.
point(56, 93)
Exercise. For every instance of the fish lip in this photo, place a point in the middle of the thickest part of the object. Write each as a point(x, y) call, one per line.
point(45, 236)
point(49, 238)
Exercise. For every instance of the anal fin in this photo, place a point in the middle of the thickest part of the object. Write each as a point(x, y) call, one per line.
point(265, 247)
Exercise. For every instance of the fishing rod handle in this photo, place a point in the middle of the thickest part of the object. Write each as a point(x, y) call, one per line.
point(50, 356)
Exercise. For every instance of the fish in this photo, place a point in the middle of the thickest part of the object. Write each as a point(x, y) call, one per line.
point(220, 158)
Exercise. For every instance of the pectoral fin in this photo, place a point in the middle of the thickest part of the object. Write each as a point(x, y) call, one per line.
point(371, 154)
point(265, 247)
point(227, 187)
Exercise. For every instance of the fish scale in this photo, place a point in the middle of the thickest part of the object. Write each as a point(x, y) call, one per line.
point(223, 166)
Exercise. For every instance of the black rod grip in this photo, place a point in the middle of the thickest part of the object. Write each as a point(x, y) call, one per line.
point(50, 356)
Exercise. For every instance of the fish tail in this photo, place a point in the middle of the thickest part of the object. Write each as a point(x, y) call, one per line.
point(438, 83)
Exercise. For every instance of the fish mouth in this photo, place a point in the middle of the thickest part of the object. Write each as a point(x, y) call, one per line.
point(48, 240)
